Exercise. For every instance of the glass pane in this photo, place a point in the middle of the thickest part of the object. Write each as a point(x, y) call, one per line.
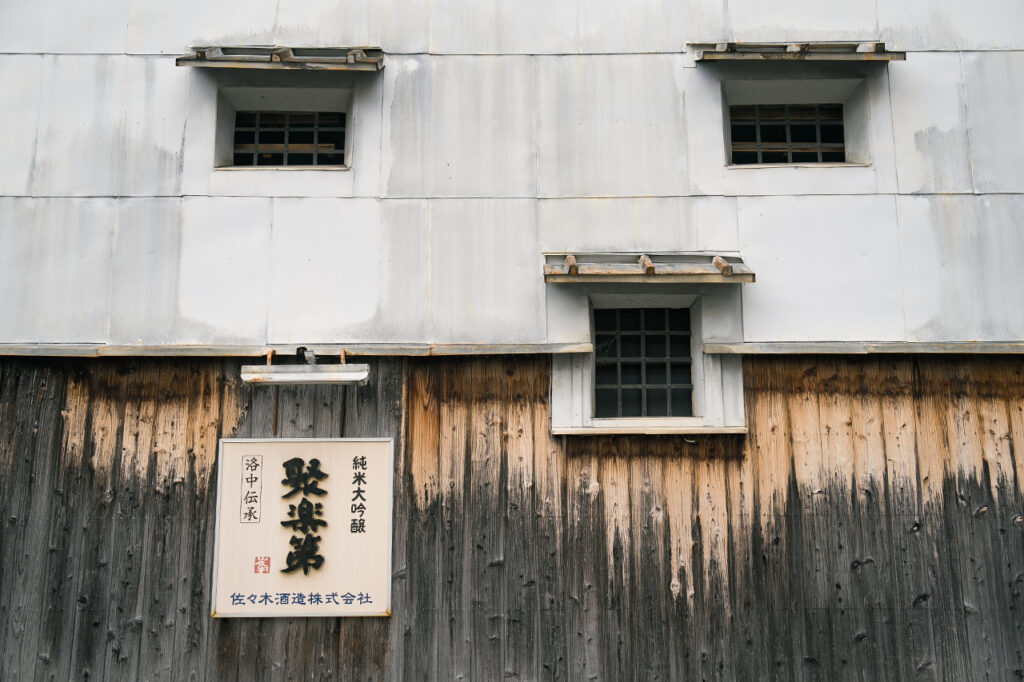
point(679, 373)
point(270, 160)
point(630, 345)
point(631, 373)
point(656, 373)
point(832, 112)
point(805, 157)
point(302, 119)
point(330, 159)
point(744, 133)
point(331, 140)
point(771, 112)
point(798, 112)
point(245, 136)
point(243, 160)
point(271, 137)
point(606, 347)
point(607, 405)
point(300, 137)
point(631, 405)
point(742, 112)
point(654, 346)
point(679, 319)
point(832, 134)
point(331, 119)
point(271, 120)
point(682, 402)
point(773, 133)
point(680, 346)
point(654, 319)
point(629, 319)
point(657, 403)
point(300, 159)
point(245, 119)
point(744, 157)
point(833, 157)
point(803, 133)
point(607, 375)
point(773, 157)
point(604, 320)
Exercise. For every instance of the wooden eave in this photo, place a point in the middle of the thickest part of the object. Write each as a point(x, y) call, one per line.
point(276, 57)
point(814, 51)
point(639, 268)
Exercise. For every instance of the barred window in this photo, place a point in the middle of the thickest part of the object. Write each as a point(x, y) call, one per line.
point(642, 363)
point(297, 138)
point(787, 133)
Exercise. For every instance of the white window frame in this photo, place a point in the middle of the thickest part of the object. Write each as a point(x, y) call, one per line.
point(717, 379)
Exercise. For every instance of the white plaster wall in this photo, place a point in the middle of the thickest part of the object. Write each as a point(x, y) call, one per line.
point(497, 132)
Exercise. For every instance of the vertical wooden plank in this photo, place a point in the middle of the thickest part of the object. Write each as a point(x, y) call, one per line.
point(550, 533)
point(522, 602)
point(485, 537)
point(31, 422)
point(421, 570)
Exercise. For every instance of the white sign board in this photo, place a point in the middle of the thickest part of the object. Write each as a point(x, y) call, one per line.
point(303, 528)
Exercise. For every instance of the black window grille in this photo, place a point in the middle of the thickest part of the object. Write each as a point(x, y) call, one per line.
point(642, 363)
point(296, 138)
point(787, 133)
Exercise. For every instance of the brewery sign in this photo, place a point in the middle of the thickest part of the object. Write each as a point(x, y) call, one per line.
point(303, 528)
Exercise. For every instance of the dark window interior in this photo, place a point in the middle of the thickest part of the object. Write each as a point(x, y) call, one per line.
point(787, 133)
point(297, 138)
point(642, 363)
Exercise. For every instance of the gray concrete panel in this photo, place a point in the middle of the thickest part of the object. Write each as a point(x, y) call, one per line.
point(55, 269)
point(962, 273)
point(828, 269)
point(224, 265)
point(20, 75)
point(611, 126)
point(995, 110)
point(459, 127)
point(485, 278)
point(930, 124)
point(109, 126)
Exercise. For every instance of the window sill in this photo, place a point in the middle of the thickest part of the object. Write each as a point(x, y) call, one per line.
point(753, 166)
point(647, 427)
point(290, 169)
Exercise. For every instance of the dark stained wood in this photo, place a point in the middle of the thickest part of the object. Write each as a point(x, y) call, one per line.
point(869, 526)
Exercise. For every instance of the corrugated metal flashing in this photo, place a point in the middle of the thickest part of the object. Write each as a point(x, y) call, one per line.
point(813, 51)
point(653, 268)
point(276, 57)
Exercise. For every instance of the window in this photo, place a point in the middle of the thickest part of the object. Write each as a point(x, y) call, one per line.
point(786, 133)
point(642, 361)
point(296, 138)
point(645, 320)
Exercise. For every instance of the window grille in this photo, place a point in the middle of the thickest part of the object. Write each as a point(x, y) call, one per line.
point(274, 138)
point(642, 363)
point(787, 133)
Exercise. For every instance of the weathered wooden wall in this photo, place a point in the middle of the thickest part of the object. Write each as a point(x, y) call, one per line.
point(870, 526)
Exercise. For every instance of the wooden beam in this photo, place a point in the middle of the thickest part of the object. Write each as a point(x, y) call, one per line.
point(724, 266)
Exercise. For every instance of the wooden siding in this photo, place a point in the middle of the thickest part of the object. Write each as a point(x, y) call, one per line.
point(869, 526)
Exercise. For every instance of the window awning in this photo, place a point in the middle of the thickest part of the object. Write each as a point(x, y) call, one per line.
point(651, 268)
point(276, 57)
point(813, 51)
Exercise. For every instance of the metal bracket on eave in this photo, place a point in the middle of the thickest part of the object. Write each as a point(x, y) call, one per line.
point(645, 268)
point(277, 57)
point(812, 51)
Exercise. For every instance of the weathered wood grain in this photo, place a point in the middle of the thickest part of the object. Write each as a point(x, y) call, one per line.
point(869, 526)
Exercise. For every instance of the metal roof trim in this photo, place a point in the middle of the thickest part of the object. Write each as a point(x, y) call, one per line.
point(646, 268)
point(805, 51)
point(280, 57)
